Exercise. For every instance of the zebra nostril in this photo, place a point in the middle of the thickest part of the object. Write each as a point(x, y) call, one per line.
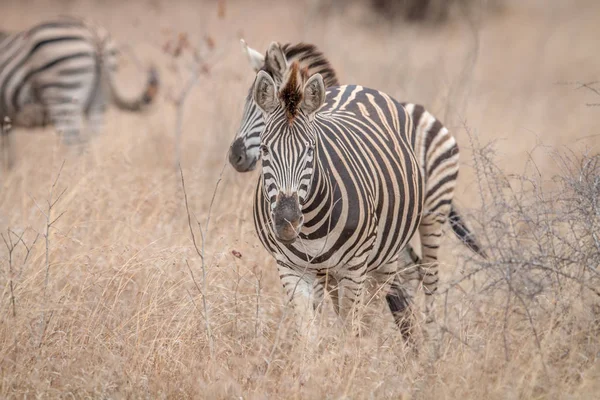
point(239, 160)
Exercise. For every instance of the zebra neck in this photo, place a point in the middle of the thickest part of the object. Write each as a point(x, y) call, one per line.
point(321, 200)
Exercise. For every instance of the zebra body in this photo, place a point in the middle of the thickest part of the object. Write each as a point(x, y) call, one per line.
point(61, 72)
point(437, 155)
point(341, 192)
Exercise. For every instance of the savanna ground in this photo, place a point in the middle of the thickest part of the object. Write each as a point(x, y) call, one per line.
point(113, 300)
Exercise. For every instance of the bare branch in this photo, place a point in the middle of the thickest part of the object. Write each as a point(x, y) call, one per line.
point(189, 217)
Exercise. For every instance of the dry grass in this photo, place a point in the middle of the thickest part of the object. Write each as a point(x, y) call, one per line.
point(121, 315)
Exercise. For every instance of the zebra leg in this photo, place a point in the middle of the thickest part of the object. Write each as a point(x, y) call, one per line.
point(430, 232)
point(325, 283)
point(96, 120)
point(402, 291)
point(334, 293)
point(400, 303)
point(298, 288)
point(67, 119)
point(350, 290)
point(96, 111)
point(403, 278)
point(7, 154)
point(95, 117)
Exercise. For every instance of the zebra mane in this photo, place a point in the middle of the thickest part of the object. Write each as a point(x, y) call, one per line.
point(311, 58)
point(291, 90)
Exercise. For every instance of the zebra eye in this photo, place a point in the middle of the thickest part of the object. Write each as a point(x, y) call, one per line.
point(264, 150)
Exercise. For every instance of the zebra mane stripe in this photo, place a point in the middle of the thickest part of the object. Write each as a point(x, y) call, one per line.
point(310, 57)
point(291, 91)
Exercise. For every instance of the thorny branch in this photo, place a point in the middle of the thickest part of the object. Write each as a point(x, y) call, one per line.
point(51, 201)
point(540, 235)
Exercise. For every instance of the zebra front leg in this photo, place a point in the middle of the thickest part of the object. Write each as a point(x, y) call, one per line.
point(325, 283)
point(350, 291)
point(298, 288)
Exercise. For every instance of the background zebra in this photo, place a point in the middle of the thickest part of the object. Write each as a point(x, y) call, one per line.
point(343, 180)
point(437, 154)
point(61, 71)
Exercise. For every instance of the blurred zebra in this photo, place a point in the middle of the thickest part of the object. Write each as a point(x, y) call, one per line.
point(437, 154)
point(339, 174)
point(62, 72)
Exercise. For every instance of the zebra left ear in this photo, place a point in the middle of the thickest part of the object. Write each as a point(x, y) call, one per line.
point(263, 92)
point(314, 94)
point(256, 59)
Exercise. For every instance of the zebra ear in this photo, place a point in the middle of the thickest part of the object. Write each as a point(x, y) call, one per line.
point(256, 59)
point(275, 60)
point(263, 92)
point(314, 94)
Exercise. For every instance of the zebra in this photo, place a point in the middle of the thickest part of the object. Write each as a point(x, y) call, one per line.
point(61, 71)
point(340, 175)
point(437, 154)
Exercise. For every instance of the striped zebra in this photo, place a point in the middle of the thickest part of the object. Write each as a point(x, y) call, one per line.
point(437, 155)
point(62, 72)
point(341, 192)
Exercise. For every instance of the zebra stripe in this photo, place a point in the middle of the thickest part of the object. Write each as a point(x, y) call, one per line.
point(60, 71)
point(437, 154)
point(343, 181)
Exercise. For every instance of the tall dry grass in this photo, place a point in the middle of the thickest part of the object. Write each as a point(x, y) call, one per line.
point(122, 313)
point(117, 308)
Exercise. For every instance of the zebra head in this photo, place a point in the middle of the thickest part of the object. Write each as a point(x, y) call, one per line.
point(288, 145)
point(244, 151)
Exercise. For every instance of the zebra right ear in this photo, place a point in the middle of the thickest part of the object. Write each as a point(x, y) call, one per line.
point(263, 92)
point(256, 59)
point(314, 94)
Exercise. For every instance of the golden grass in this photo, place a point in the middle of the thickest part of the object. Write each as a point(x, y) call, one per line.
point(123, 316)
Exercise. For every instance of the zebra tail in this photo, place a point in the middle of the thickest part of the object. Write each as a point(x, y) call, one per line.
point(139, 102)
point(463, 233)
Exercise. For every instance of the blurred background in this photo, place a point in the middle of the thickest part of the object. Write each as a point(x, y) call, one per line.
point(520, 76)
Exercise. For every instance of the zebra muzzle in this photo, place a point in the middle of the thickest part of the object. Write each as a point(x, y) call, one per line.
point(238, 157)
point(287, 218)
